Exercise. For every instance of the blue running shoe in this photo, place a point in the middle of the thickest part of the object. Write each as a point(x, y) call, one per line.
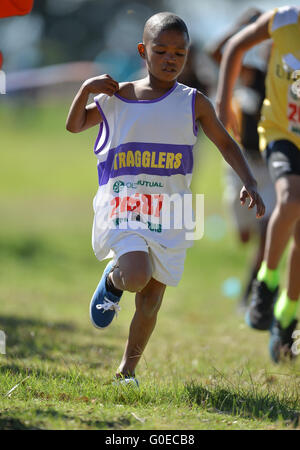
point(104, 304)
point(281, 341)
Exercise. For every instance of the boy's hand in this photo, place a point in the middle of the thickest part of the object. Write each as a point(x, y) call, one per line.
point(104, 84)
point(255, 199)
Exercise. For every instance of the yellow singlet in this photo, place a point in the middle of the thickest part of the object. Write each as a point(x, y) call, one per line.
point(280, 115)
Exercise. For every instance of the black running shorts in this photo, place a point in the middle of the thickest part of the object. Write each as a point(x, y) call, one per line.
point(283, 158)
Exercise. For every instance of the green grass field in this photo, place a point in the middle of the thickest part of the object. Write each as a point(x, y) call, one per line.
point(203, 368)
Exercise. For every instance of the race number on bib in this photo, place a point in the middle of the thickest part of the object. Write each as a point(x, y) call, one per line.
point(143, 208)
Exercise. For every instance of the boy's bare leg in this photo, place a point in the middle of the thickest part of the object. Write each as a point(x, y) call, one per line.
point(283, 218)
point(148, 302)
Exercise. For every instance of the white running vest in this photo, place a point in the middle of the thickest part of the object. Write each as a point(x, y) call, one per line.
point(145, 155)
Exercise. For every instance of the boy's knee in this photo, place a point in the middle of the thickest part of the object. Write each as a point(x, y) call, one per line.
point(135, 270)
point(135, 281)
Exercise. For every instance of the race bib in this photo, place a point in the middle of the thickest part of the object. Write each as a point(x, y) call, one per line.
point(137, 211)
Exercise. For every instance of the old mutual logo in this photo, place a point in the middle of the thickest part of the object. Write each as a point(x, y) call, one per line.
point(118, 186)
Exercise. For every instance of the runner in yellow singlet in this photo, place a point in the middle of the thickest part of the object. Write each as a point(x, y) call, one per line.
point(279, 133)
point(247, 102)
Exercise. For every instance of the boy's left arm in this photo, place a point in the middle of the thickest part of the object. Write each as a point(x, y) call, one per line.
point(214, 130)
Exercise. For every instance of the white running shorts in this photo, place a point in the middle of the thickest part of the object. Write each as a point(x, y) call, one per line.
point(167, 263)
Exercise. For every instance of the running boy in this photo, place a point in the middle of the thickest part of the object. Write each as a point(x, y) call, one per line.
point(279, 131)
point(145, 144)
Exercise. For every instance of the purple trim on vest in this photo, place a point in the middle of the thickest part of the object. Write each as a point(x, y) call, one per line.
point(106, 168)
point(195, 128)
point(101, 130)
point(148, 101)
point(99, 136)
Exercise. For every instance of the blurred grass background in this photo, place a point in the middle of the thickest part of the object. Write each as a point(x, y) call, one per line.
point(203, 368)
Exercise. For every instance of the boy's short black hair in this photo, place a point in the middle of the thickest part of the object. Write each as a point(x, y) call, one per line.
point(164, 21)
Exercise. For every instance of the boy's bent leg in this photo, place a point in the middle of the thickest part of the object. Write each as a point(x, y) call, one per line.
point(148, 302)
point(132, 272)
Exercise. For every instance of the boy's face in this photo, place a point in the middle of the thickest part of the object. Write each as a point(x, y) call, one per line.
point(165, 54)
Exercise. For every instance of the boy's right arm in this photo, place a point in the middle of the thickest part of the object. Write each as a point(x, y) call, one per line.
point(82, 116)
